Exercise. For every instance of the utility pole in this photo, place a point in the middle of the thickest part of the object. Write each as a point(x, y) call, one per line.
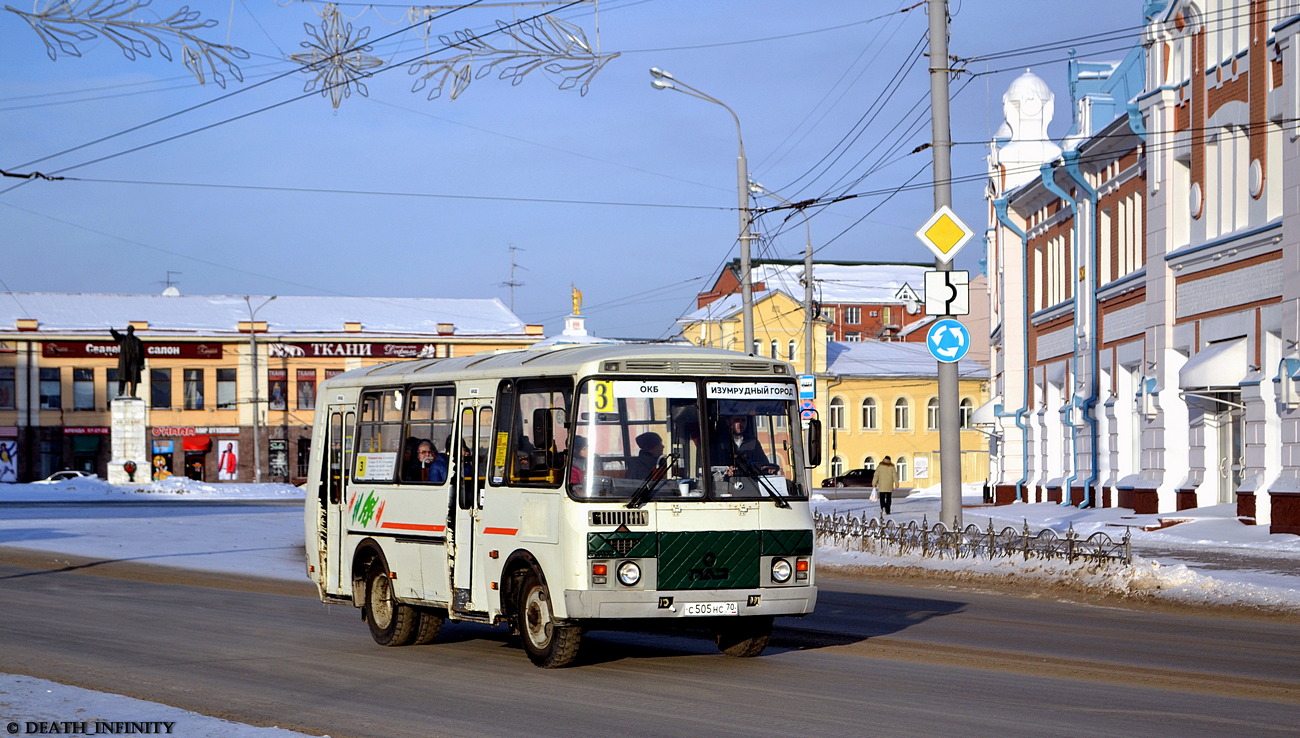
point(941, 144)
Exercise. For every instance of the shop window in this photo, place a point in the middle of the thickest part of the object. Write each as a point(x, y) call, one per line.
point(226, 389)
point(193, 389)
point(160, 388)
point(306, 379)
point(83, 389)
point(277, 391)
point(51, 389)
point(7, 388)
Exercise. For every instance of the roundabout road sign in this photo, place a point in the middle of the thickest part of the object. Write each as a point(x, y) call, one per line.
point(949, 341)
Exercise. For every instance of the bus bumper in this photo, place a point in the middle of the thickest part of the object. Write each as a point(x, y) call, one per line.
point(601, 604)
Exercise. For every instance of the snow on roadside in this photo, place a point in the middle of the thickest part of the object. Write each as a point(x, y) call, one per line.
point(31, 706)
point(94, 489)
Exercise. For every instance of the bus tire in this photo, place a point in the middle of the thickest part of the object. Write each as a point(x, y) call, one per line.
point(744, 637)
point(429, 626)
point(391, 623)
point(547, 644)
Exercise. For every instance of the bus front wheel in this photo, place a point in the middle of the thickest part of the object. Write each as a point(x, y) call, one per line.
point(744, 637)
point(547, 644)
point(391, 623)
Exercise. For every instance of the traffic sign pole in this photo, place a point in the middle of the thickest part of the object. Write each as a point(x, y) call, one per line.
point(941, 145)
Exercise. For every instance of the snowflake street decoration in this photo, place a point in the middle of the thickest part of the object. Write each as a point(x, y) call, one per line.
point(336, 57)
point(556, 46)
point(62, 23)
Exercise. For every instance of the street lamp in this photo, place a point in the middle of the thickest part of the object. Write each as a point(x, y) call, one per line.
point(257, 400)
point(665, 81)
point(807, 279)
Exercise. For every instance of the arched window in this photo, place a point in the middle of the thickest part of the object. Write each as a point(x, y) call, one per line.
point(837, 413)
point(967, 413)
point(837, 466)
point(904, 474)
point(902, 414)
point(869, 420)
point(758, 347)
point(789, 350)
point(869, 462)
point(932, 414)
point(775, 355)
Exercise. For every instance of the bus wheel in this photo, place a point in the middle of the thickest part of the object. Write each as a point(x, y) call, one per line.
point(429, 627)
point(548, 645)
point(391, 623)
point(744, 637)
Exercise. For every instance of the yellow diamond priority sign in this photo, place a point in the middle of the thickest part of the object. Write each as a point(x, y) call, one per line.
point(944, 234)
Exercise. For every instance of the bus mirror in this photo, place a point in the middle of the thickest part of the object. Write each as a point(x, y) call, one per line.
point(814, 444)
point(543, 429)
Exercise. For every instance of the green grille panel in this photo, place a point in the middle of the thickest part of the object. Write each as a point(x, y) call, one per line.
point(787, 543)
point(708, 559)
point(620, 545)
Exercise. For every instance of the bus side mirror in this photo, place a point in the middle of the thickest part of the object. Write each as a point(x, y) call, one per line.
point(814, 443)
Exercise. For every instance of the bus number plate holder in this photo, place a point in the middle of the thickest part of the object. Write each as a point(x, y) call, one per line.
point(711, 608)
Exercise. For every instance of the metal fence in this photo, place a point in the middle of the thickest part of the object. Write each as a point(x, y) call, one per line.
point(888, 537)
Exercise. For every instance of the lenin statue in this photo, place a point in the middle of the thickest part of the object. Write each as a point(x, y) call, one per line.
point(130, 360)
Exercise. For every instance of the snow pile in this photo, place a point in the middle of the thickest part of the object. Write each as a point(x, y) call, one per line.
point(92, 489)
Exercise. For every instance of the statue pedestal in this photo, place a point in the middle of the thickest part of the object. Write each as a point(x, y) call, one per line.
point(128, 440)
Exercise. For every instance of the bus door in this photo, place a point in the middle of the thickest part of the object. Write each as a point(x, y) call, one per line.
point(473, 454)
point(338, 462)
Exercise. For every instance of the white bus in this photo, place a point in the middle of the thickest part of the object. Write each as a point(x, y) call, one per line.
point(559, 490)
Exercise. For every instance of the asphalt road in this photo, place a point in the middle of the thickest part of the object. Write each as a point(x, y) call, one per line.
point(877, 658)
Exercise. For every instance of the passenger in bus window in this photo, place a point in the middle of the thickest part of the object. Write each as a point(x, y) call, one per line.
point(578, 471)
point(412, 471)
point(433, 465)
point(652, 449)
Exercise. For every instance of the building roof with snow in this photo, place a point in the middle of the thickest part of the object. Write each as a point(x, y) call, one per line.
point(891, 359)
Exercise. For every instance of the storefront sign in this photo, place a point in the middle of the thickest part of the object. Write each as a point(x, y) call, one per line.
point(85, 430)
point(217, 430)
point(172, 431)
point(95, 349)
point(367, 350)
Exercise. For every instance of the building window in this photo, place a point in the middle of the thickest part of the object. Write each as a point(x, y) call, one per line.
point(885, 318)
point(932, 414)
point(304, 456)
point(967, 413)
point(226, 389)
point(83, 389)
point(869, 463)
point(789, 350)
point(775, 351)
point(306, 389)
point(160, 388)
point(110, 385)
point(902, 414)
point(829, 314)
point(837, 466)
point(193, 389)
point(7, 388)
point(869, 414)
point(904, 474)
point(874, 313)
point(853, 315)
point(51, 389)
point(852, 337)
point(757, 348)
point(277, 390)
point(837, 413)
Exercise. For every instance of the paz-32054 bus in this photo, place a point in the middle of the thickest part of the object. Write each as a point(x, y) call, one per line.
point(558, 490)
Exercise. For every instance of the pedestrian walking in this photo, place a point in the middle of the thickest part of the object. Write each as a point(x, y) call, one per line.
point(886, 481)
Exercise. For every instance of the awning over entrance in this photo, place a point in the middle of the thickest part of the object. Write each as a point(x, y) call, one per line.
point(198, 443)
point(1219, 365)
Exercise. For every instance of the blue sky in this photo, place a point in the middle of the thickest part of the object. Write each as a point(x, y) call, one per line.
point(628, 192)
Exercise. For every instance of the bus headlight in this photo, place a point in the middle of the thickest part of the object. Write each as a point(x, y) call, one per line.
point(629, 573)
point(781, 571)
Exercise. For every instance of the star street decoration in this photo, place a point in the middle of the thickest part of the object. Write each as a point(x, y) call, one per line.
point(60, 24)
point(336, 57)
point(554, 45)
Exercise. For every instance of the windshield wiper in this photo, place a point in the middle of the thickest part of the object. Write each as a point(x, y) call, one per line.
point(747, 466)
point(651, 484)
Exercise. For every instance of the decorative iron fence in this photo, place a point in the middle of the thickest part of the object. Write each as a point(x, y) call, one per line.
point(939, 541)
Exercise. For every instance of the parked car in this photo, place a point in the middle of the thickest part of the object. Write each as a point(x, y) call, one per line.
point(66, 474)
point(851, 478)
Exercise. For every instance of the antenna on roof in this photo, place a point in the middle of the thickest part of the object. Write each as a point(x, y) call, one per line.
point(171, 290)
point(512, 284)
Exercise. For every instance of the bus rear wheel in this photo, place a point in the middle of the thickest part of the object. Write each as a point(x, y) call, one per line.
point(547, 644)
point(744, 637)
point(391, 623)
point(430, 625)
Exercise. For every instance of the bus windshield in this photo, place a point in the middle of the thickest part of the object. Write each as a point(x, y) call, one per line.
point(697, 440)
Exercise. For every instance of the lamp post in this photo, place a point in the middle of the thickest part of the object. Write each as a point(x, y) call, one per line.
point(665, 81)
point(257, 400)
point(807, 279)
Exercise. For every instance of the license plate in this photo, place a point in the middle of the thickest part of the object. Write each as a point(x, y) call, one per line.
point(712, 608)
